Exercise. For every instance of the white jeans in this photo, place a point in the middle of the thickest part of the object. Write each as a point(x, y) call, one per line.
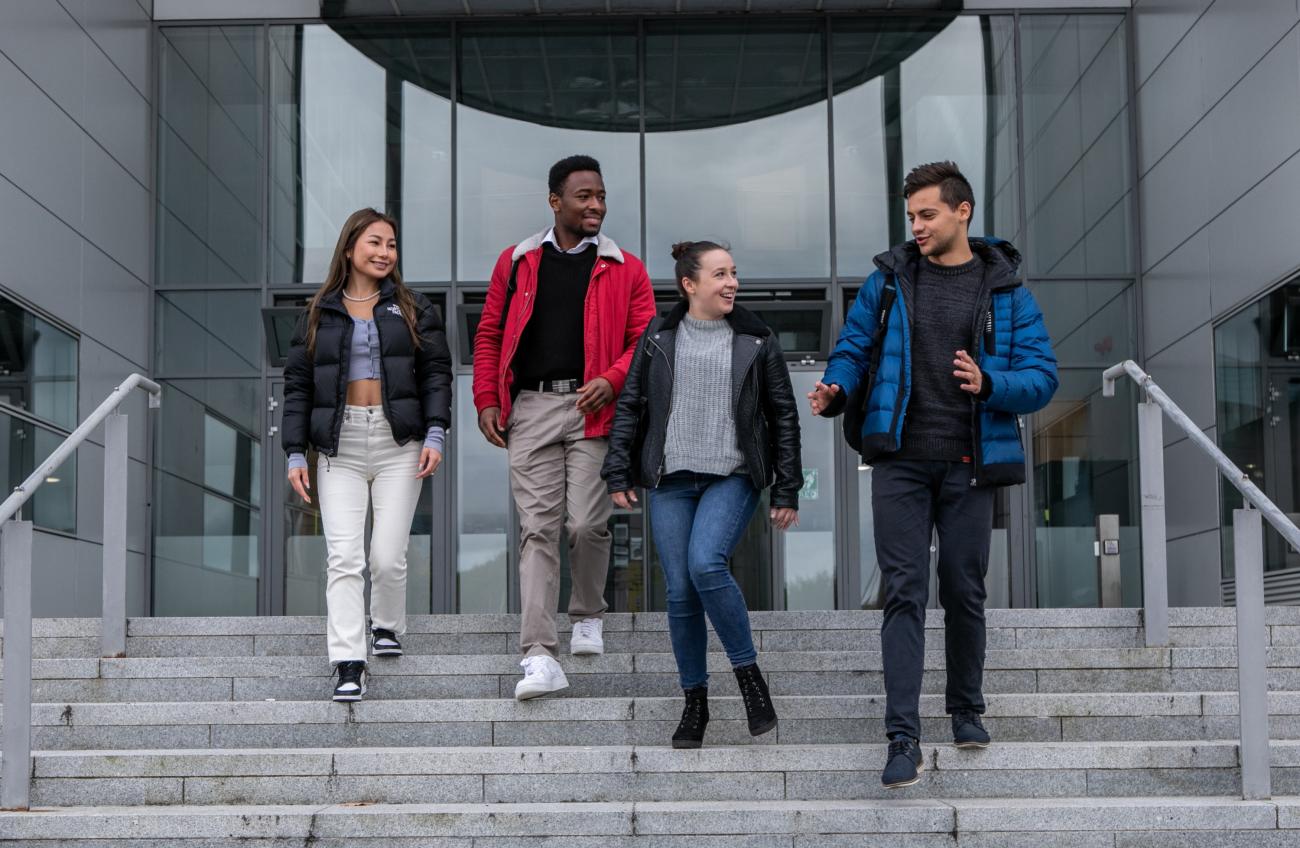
point(369, 466)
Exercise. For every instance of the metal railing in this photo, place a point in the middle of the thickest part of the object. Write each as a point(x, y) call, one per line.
point(16, 561)
point(1248, 558)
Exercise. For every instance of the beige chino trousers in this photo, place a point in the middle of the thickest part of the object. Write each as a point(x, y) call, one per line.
point(555, 479)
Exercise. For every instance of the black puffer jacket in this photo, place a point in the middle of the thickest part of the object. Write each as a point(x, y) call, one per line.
point(767, 418)
point(416, 381)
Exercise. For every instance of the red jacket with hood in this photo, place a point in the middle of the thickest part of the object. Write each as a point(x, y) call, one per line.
point(619, 305)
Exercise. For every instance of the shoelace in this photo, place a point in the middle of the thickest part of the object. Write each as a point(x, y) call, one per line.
point(586, 629)
point(900, 746)
point(533, 665)
point(693, 714)
point(749, 691)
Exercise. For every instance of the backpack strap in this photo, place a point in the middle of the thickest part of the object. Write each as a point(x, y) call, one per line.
point(511, 285)
point(887, 294)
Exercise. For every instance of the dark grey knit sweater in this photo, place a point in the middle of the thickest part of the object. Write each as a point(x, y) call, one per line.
point(938, 424)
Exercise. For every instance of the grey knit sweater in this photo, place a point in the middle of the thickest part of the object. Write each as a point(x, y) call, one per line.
point(701, 426)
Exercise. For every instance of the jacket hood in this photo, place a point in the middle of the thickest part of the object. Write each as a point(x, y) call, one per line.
point(605, 247)
point(741, 320)
point(1000, 254)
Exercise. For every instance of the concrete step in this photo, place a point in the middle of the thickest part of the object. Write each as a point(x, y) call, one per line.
point(1060, 670)
point(1010, 823)
point(844, 630)
point(629, 721)
point(628, 773)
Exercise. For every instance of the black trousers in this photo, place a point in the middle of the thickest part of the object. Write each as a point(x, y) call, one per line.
point(910, 499)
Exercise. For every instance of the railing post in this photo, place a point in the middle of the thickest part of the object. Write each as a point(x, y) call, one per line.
point(16, 562)
point(112, 636)
point(1155, 579)
point(1252, 662)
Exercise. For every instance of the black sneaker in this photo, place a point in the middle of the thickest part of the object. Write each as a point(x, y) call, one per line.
point(968, 731)
point(695, 717)
point(905, 763)
point(759, 710)
point(352, 681)
point(383, 643)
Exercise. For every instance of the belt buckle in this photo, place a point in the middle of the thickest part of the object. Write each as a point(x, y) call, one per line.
point(563, 387)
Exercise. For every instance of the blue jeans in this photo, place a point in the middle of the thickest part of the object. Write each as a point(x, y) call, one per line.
point(698, 520)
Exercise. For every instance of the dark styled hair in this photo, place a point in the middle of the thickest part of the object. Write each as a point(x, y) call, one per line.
point(560, 171)
point(953, 186)
point(687, 254)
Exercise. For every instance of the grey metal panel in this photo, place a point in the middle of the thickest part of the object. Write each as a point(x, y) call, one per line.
point(1160, 24)
point(1175, 205)
point(57, 585)
point(100, 371)
point(1191, 490)
point(115, 309)
point(39, 37)
point(1176, 293)
point(1194, 571)
point(41, 153)
point(1170, 102)
point(1265, 220)
point(90, 492)
point(57, 289)
point(1183, 370)
point(1234, 35)
point(117, 210)
point(116, 115)
point(198, 10)
point(121, 30)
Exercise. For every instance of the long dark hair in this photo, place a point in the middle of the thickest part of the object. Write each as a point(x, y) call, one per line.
point(340, 267)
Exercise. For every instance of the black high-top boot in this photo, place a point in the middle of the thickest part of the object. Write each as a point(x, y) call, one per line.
point(695, 717)
point(758, 703)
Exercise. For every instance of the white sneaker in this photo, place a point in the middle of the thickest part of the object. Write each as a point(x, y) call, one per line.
point(542, 676)
point(587, 637)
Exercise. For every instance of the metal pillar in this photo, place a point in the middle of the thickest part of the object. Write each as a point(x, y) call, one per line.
point(1155, 580)
point(112, 637)
point(1252, 662)
point(16, 561)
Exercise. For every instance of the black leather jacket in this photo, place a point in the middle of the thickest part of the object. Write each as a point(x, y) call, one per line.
point(767, 418)
point(416, 381)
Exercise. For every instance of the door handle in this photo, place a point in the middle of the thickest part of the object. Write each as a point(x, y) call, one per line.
point(274, 429)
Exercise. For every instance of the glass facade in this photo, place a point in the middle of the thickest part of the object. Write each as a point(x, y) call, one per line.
point(785, 136)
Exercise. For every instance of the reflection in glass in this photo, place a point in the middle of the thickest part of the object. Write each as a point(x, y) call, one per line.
point(514, 122)
point(483, 513)
point(1078, 173)
point(22, 446)
point(38, 366)
point(205, 551)
point(732, 153)
point(204, 334)
point(361, 117)
point(210, 155)
point(1084, 446)
point(810, 547)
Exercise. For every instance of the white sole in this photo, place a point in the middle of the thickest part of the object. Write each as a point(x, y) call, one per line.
point(387, 652)
point(971, 745)
point(586, 650)
point(528, 695)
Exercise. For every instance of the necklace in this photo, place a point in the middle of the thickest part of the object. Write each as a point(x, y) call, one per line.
point(361, 299)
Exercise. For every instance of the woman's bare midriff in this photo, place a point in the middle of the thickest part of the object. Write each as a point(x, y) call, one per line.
point(365, 393)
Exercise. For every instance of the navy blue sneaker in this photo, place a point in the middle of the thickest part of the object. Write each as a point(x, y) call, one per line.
point(968, 731)
point(905, 763)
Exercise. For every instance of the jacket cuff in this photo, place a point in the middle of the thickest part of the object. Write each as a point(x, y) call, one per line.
point(986, 385)
point(837, 404)
point(616, 379)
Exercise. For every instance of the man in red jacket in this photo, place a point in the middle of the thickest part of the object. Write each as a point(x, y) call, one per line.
point(564, 312)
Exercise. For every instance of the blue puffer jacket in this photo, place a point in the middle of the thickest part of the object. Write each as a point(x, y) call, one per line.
point(1007, 331)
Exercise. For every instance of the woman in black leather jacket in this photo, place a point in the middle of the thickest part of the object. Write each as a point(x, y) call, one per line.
point(706, 421)
point(368, 384)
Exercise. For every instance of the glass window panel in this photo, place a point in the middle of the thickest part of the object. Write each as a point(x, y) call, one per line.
point(205, 551)
point(530, 95)
point(736, 146)
point(22, 446)
point(38, 366)
point(810, 547)
point(203, 334)
point(361, 117)
point(1078, 175)
point(1084, 445)
point(483, 513)
point(910, 91)
point(210, 150)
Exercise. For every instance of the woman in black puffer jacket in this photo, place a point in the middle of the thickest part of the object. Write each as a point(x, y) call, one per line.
point(368, 385)
point(706, 421)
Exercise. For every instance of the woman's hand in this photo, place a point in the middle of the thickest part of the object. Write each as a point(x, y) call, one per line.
point(301, 482)
point(785, 518)
point(430, 459)
point(624, 500)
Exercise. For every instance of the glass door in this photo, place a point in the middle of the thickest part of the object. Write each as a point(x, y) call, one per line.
point(1282, 420)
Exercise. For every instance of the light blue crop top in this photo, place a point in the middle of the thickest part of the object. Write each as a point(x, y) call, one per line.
point(364, 364)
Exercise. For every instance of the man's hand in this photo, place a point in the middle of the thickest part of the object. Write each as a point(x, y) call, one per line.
point(624, 500)
point(489, 424)
point(970, 374)
point(822, 395)
point(594, 396)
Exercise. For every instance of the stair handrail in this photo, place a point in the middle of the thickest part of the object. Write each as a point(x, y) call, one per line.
point(16, 562)
point(1248, 564)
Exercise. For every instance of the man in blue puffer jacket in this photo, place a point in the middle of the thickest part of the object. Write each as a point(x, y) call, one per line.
point(941, 353)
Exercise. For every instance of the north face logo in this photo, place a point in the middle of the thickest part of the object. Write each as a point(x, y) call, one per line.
point(395, 309)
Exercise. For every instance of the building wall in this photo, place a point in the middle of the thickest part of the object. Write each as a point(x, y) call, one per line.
point(76, 164)
point(1219, 165)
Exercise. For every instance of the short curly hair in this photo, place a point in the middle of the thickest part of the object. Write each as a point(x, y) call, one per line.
point(561, 170)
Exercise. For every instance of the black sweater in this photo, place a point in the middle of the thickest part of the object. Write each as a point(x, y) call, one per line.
point(551, 346)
